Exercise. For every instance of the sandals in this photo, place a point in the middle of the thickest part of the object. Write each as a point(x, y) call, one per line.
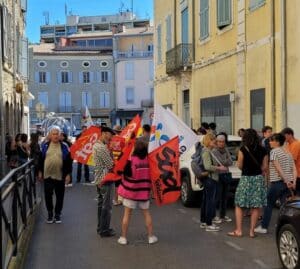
point(234, 234)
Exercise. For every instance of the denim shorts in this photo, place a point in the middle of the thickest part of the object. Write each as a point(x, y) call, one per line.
point(134, 204)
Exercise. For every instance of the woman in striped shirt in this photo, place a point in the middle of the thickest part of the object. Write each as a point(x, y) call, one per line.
point(282, 175)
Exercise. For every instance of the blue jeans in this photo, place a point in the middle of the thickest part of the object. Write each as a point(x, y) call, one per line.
point(105, 195)
point(208, 207)
point(276, 190)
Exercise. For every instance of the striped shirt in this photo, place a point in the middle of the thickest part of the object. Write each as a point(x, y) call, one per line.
point(286, 163)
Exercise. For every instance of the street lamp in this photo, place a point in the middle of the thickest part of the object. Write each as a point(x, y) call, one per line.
point(40, 111)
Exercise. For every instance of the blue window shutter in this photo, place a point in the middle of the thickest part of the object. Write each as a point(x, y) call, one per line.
point(224, 13)
point(204, 19)
point(159, 53)
point(91, 77)
point(70, 77)
point(36, 77)
point(80, 77)
point(109, 73)
point(98, 77)
point(107, 99)
point(169, 32)
point(48, 77)
point(254, 4)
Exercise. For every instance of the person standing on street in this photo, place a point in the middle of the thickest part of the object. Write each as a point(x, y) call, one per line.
point(55, 168)
point(293, 146)
point(85, 166)
point(104, 163)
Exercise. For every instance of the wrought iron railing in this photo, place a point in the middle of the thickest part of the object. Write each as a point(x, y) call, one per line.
point(179, 58)
point(133, 54)
point(18, 200)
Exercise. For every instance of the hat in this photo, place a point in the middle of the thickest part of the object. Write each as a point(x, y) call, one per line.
point(117, 128)
point(107, 130)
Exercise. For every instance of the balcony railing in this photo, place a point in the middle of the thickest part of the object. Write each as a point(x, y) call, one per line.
point(133, 54)
point(179, 58)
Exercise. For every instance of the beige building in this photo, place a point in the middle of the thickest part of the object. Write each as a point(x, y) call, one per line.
point(235, 63)
point(14, 95)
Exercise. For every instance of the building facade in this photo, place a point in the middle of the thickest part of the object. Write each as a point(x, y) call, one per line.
point(133, 57)
point(230, 62)
point(14, 94)
point(66, 82)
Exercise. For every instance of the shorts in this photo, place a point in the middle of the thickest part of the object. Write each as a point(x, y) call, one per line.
point(134, 204)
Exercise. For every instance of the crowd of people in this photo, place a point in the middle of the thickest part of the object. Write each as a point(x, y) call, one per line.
point(270, 171)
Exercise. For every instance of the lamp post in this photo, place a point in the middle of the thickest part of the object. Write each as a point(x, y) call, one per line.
point(40, 111)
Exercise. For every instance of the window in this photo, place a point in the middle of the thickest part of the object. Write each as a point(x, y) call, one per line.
point(204, 19)
point(64, 77)
point(129, 95)
point(42, 64)
point(159, 58)
point(257, 99)
point(86, 64)
point(152, 94)
point(218, 110)
point(129, 71)
point(254, 4)
point(224, 13)
point(86, 77)
point(185, 26)
point(103, 63)
point(42, 77)
point(169, 32)
point(86, 99)
point(104, 100)
point(151, 70)
point(43, 98)
point(104, 76)
point(65, 102)
point(64, 64)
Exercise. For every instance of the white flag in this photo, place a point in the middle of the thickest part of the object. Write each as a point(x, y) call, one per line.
point(168, 125)
point(87, 119)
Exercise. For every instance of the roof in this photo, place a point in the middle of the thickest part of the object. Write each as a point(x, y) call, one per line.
point(137, 31)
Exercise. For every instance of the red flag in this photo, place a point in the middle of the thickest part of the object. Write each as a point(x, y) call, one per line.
point(164, 171)
point(82, 149)
point(131, 128)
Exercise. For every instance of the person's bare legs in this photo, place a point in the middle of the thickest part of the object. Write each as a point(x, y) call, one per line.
point(148, 222)
point(125, 221)
point(255, 212)
point(238, 222)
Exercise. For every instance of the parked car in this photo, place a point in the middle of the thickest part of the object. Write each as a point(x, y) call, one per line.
point(288, 234)
point(190, 186)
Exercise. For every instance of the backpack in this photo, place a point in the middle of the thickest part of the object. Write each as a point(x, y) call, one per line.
point(197, 163)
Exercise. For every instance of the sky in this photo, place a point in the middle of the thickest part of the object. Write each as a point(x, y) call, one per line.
point(56, 9)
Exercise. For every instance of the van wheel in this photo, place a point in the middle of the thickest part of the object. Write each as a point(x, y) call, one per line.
point(186, 193)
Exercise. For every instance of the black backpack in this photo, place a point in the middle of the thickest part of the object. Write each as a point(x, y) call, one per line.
point(197, 163)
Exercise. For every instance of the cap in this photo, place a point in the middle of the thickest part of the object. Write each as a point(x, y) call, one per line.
point(107, 130)
point(117, 128)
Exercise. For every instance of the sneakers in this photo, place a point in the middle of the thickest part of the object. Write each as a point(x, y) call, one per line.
point(202, 225)
point(122, 241)
point(108, 233)
point(217, 220)
point(152, 239)
point(227, 219)
point(50, 219)
point(212, 228)
point(57, 219)
point(259, 229)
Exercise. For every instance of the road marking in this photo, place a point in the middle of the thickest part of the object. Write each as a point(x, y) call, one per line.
point(260, 263)
point(196, 220)
point(181, 210)
point(233, 245)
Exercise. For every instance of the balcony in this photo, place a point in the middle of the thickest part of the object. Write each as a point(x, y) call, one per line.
point(179, 58)
point(133, 54)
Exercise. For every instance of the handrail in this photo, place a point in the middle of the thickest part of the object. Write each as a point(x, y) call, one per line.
point(18, 200)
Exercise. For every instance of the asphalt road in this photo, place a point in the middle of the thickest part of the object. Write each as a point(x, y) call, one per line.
point(182, 244)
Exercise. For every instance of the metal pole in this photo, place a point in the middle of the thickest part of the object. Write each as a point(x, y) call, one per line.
point(1, 249)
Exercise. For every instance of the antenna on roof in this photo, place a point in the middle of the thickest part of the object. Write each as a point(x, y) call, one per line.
point(46, 15)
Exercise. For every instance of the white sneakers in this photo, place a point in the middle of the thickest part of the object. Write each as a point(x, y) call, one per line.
point(122, 241)
point(151, 240)
point(259, 229)
point(217, 220)
point(202, 225)
point(212, 228)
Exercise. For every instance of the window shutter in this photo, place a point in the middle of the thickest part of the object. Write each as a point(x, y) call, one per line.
point(159, 58)
point(5, 30)
point(151, 70)
point(70, 77)
point(91, 77)
point(62, 99)
point(109, 74)
point(224, 13)
point(24, 5)
point(98, 77)
point(168, 29)
point(107, 99)
point(48, 77)
point(204, 19)
point(89, 99)
point(80, 77)
point(24, 58)
point(59, 80)
point(68, 99)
